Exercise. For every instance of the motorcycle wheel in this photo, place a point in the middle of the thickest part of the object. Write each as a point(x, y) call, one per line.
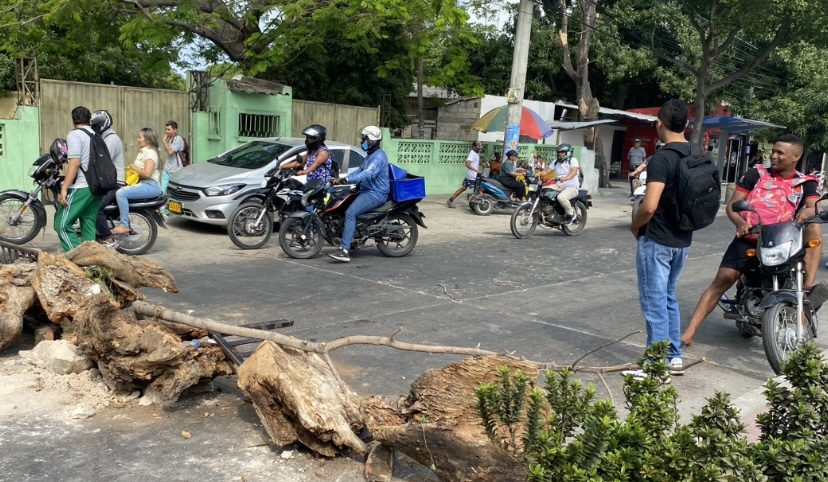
point(404, 241)
point(522, 224)
point(484, 206)
point(779, 333)
point(142, 235)
point(26, 229)
point(243, 230)
point(291, 240)
point(576, 227)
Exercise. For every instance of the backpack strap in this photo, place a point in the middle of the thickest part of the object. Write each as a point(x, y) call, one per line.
point(91, 136)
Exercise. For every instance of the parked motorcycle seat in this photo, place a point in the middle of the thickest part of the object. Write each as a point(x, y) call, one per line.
point(497, 184)
point(365, 217)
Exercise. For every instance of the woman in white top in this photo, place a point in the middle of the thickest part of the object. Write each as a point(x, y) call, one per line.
point(146, 165)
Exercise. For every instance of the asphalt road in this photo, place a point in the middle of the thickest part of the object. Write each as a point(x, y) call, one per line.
point(469, 282)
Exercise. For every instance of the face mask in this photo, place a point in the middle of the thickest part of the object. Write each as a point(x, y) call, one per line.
point(364, 146)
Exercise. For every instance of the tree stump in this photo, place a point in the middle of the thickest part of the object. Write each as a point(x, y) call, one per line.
point(299, 399)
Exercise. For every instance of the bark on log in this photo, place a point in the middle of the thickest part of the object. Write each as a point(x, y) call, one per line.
point(14, 302)
point(298, 398)
point(441, 426)
point(62, 287)
point(134, 270)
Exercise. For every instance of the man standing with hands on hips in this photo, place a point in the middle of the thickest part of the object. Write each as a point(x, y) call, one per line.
point(173, 144)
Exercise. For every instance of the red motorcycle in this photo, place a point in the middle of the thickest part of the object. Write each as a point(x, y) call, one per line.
point(392, 226)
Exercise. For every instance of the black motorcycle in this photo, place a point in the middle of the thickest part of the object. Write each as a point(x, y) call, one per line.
point(769, 296)
point(392, 226)
point(251, 224)
point(22, 214)
point(543, 209)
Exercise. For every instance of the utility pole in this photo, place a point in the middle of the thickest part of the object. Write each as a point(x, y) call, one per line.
point(517, 84)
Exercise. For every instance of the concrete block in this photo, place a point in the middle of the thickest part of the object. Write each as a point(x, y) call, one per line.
point(59, 357)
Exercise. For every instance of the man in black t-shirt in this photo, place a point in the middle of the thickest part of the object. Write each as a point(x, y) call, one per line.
point(662, 247)
point(786, 153)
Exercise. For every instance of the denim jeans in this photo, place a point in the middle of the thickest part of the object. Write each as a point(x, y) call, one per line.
point(659, 268)
point(147, 188)
point(362, 204)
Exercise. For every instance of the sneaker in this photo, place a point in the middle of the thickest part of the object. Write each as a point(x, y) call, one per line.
point(676, 367)
point(636, 374)
point(818, 295)
point(568, 220)
point(111, 244)
point(341, 255)
point(450, 203)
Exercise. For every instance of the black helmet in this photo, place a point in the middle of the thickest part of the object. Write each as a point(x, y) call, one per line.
point(101, 121)
point(567, 148)
point(59, 151)
point(510, 153)
point(318, 133)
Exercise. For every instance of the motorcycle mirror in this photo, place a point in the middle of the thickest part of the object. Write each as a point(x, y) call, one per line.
point(272, 172)
point(740, 206)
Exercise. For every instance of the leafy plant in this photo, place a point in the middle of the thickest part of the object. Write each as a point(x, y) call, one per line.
point(563, 434)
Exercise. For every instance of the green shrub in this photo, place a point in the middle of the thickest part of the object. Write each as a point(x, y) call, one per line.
point(563, 434)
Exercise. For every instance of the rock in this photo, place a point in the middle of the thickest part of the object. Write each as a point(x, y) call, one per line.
point(379, 467)
point(94, 374)
point(145, 401)
point(46, 332)
point(287, 454)
point(59, 357)
point(82, 411)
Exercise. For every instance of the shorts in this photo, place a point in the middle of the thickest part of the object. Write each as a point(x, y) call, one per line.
point(468, 183)
point(736, 256)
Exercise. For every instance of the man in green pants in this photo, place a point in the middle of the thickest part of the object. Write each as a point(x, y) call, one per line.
point(76, 200)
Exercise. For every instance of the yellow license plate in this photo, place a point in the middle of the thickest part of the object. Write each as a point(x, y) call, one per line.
point(174, 207)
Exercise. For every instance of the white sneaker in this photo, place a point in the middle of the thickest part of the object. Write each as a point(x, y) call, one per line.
point(636, 374)
point(341, 255)
point(676, 367)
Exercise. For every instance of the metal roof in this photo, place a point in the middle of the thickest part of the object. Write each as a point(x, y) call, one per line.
point(568, 126)
point(606, 111)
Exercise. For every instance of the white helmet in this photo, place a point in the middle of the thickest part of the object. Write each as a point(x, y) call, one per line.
point(373, 133)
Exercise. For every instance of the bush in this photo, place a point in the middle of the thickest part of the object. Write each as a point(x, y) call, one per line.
point(563, 434)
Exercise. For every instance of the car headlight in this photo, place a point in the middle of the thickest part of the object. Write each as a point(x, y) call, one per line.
point(223, 190)
point(776, 255)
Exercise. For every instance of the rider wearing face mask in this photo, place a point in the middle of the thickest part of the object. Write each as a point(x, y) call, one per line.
point(374, 187)
point(317, 160)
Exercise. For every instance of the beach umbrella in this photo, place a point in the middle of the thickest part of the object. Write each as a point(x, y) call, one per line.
point(531, 124)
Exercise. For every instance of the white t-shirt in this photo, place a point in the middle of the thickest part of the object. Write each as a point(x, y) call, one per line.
point(78, 145)
point(475, 162)
point(562, 169)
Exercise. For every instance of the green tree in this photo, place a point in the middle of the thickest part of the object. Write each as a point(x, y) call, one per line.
point(717, 42)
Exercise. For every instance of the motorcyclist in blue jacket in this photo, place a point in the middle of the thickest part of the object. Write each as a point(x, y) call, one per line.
point(374, 187)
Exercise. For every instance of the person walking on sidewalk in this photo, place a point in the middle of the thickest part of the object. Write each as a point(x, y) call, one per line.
point(472, 171)
point(636, 157)
point(76, 200)
point(662, 247)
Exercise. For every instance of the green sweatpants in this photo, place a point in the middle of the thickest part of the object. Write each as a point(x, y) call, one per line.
point(83, 205)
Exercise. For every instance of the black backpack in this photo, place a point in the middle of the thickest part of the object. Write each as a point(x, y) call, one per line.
point(334, 168)
point(698, 190)
point(100, 175)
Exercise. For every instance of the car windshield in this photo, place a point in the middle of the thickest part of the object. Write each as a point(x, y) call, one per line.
point(252, 155)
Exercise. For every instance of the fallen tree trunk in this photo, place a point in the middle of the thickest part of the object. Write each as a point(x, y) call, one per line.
point(298, 398)
point(15, 299)
point(133, 270)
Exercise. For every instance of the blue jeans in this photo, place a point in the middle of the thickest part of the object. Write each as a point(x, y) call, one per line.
point(362, 204)
point(147, 188)
point(659, 268)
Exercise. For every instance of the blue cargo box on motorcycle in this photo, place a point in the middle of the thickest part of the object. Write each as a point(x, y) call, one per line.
point(405, 186)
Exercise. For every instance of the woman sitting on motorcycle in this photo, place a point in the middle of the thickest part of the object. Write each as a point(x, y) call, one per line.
point(509, 174)
point(317, 161)
point(149, 184)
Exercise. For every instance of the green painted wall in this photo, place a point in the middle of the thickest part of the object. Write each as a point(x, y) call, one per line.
point(217, 130)
point(19, 148)
point(442, 163)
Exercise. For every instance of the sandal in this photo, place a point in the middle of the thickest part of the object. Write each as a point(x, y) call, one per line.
point(120, 230)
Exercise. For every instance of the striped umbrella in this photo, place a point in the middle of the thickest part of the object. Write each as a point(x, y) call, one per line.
point(531, 124)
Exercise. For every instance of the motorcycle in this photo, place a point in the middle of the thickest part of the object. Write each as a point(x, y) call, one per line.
point(489, 194)
point(543, 209)
point(769, 298)
point(392, 226)
point(22, 214)
point(251, 224)
point(638, 193)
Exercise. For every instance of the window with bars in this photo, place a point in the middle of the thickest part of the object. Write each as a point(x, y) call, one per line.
point(2, 140)
point(213, 122)
point(258, 125)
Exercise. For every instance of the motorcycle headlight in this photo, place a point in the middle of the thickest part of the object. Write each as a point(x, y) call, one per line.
point(223, 190)
point(776, 255)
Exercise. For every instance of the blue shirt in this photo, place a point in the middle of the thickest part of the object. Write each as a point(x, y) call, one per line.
point(372, 176)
